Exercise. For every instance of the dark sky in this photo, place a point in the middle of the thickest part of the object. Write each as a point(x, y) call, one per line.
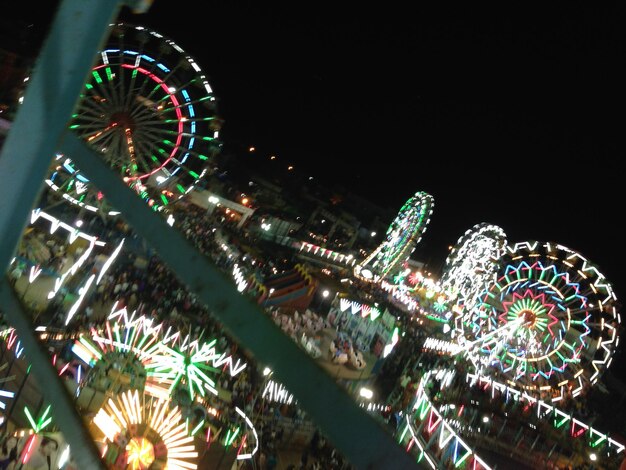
point(509, 117)
point(505, 116)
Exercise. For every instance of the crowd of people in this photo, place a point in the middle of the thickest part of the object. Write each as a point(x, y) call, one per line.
point(151, 289)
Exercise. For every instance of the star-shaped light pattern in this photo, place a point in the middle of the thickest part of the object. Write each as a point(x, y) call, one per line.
point(536, 316)
point(402, 235)
point(150, 419)
point(124, 343)
point(188, 367)
point(472, 263)
point(549, 320)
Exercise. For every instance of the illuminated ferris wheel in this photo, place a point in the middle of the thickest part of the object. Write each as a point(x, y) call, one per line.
point(548, 322)
point(149, 110)
point(472, 263)
point(402, 235)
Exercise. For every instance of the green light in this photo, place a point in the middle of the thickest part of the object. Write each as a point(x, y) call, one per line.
point(180, 188)
point(43, 421)
point(194, 174)
point(403, 433)
point(154, 159)
point(30, 418)
point(233, 437)
point(97, 77)
point(134, 74)
point(89, 86)
point(462, 459)
point(197, 428)
point(203, 157)
point(595, 444)
point(164, 199)
point(109, 75)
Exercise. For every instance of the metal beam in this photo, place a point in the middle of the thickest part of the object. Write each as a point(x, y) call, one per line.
point(362, 439)
point(83, 450)
point(59, 75)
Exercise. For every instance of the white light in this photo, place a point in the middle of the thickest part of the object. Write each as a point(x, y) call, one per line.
point(79, 223)
point(373, 234)
point(446, 328)
point(366, 393)
point(170, 220)
point(325, 294)
point(172, 89)
point(272, 290)
point(593, 457)
point(213, 200)
point(485, 419)
point(367, 274)
point(267, 371)
point(161, 179)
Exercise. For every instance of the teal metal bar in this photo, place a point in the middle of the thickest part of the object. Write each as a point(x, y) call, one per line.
point(75, 37)
point(362, 439)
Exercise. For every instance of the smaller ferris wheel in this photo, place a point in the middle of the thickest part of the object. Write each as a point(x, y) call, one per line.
point(402, 235)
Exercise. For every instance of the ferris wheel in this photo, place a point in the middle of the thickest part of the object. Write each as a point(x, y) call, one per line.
point(402, 235)
point(548, 322)
point(472, 263)
point(150, 112)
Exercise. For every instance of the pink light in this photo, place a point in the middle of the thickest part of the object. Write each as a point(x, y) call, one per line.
point(29, 447)
point(64, 369)
point(179, 115)
point(243, 441)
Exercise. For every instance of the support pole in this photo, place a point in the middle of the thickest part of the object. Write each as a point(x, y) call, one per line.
point(361, 438)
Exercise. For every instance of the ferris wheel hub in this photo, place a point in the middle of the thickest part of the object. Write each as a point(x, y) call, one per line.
point(529, 318)
point(122, 120)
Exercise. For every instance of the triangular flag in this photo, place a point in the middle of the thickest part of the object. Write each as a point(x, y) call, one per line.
point(560, 418)
point(543, 409)
point(433, 422)
point(445, 434)
point(578, 427)
point(344, 304)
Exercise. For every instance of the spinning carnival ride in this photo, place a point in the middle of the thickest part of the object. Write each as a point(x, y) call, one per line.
point(402, 235)
point(548, 323)
point(542, 332)
point(150, 112)
point(472, 263)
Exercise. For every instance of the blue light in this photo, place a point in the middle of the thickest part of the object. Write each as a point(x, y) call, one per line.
point(131, 52)
point(68, 166)
point(185, 95)
point(149, 59)
point(163, 67)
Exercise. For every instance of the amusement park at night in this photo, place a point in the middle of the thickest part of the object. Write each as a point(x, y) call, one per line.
point(180, 293)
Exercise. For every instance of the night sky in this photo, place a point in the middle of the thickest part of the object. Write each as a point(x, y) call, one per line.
point(504, 116)
point(508, 117)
